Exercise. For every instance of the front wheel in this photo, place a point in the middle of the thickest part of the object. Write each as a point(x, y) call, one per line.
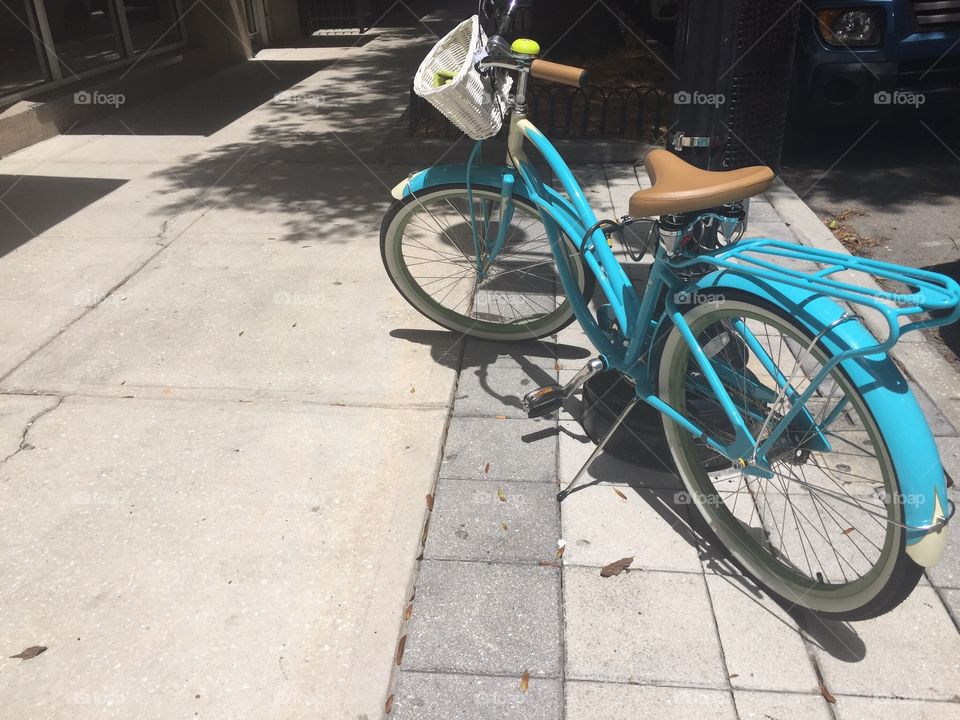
point(825, 532)
point(428, 250)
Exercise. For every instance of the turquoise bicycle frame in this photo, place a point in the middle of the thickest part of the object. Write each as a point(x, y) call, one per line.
point(628, 325)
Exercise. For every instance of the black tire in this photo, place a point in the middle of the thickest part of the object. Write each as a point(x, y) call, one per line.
point(480, 325)
point(892, 576)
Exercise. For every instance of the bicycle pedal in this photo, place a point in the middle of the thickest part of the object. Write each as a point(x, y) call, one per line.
point(543, 401)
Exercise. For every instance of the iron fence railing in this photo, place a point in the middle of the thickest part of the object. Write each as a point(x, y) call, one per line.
point(561, 112)
point(316, 15)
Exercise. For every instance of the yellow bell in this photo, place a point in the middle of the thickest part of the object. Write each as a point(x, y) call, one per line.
point(524, 46)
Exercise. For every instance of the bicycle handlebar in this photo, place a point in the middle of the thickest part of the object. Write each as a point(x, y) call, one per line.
point(555, 72)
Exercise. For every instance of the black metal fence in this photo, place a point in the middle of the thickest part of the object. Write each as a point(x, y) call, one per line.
point(561, 112)
point(340, 15)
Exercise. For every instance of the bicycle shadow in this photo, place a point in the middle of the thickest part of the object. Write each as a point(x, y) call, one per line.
point(663, 492)
point(533, 360)
point(839, 639)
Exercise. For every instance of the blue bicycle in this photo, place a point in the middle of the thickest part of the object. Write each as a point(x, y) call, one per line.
point(796, 436)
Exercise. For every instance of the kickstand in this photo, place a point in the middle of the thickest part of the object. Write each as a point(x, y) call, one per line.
point(562, 495)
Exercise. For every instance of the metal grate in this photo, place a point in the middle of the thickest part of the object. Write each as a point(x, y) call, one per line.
point(562, 112)
point(760, 83)
point(937, 14)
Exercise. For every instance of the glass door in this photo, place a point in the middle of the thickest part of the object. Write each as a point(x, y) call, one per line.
point(85, 33)
point(22, 57)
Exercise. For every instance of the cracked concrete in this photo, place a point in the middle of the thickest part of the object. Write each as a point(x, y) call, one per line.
point(21, 412)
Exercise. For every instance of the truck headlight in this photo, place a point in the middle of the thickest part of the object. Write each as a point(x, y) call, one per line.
point(853, 28)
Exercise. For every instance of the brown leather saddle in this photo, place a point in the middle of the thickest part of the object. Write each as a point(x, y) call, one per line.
point(679, 187)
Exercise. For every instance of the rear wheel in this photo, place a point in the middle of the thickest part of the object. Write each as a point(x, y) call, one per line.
point(428, 251)
point(823, 533)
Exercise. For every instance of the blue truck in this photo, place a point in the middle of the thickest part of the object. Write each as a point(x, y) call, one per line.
point(859, 59)
point(866, 59)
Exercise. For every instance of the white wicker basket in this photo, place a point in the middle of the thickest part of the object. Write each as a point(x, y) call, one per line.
point(448, 80)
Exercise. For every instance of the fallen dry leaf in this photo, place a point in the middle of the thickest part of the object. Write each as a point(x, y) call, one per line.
point(388, 705)
point(31, 652)
point(622, 496)
point(615, 568)
point(560, 551)
point(503, 526)
point(547, 563)
point(827, 695)
point(486, 469)
point(525, 681)
point(400, 648)
point(430, 502)
point(733, 675)
point(848, 531)
point(409, 613)
point(501, 494)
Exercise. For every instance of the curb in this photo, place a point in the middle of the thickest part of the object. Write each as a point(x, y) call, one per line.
point(923, 364)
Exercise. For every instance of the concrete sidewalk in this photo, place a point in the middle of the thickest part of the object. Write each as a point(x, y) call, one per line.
point(213, 450)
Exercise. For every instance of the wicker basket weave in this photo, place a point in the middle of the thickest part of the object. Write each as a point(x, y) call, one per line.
point(448, 80)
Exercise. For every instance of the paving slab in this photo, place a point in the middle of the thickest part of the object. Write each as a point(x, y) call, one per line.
point(493, 521)
point(485, 618)
point(939, 425)
point(949, 448)
point(905, 653)
point(498, 391)
point(753, 705)
point(624, 180)
point(544, 354)
point(762, 211)
point(491, 449)
point(762, 644)
point(951, 599)
point(227, 318)
point(855, 708)
point(600, 526)
point(610, 701)
point(575, 449)
point(268, 543)
point(641, 627)
point(436, 696)
point(946, 574)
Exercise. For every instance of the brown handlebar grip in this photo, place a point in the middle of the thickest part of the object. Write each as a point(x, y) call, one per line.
point(555, 72)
